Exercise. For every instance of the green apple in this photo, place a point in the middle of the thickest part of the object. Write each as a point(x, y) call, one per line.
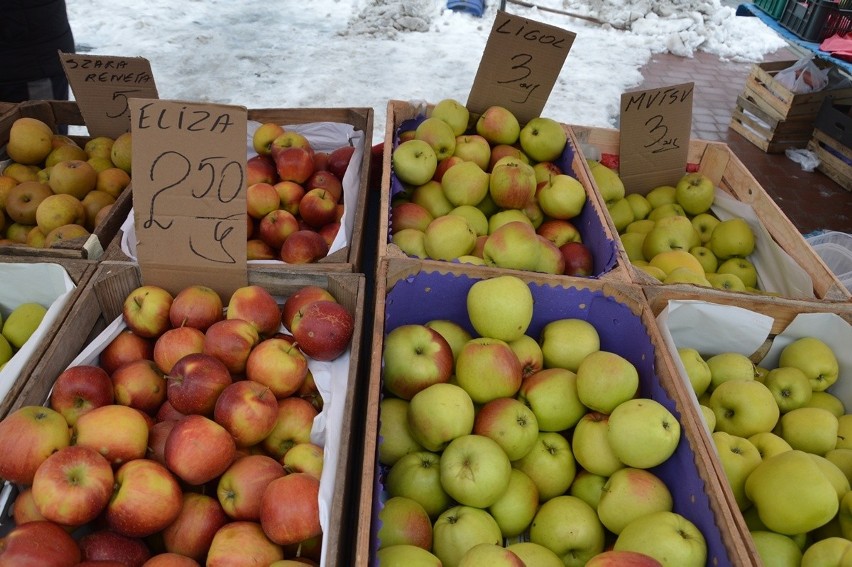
point(640, 205)
point(409, 555)
point(670, 233)
point(588, 487)
point(842, 458)
point(403, 521)
point(776, 549)
point(694, 192)
point(550, 464)
point(474, 217)
point(607, 181)
point(706, 257)
point(704, 224)
point(709, 417)
point(411, 241)
point(809, 429)
point(393, 431)
point(418, 476)
point(448, 237)
point(632, 243)
point(488, 369)
point(561, 197)
point(570, 528)
point(659, 196)
point(813, 357)
point(498, 125)
point(833, 473)
point(844, 431)
point(543, 139)
point(827, 400)
point(514, 245)
point(465, 184)
point(510, 423)
point(652, 271)
point(535, 554)
point(791, 493)
point(727, 366)
point(500, 218)
point(643, 433)
point(490, 555)
point(475, 148)
point(453, 113)
point(742, 268)
point(414, 357)
point(732, 237)
point(739, 457)
point(844, 516)
point(459, 529)
point(22, 322)
point(621, 214)
point(430, 196)
point(829, 551)
point(726, 282)
point(643, 226)
point(591, 447)
point(606, 379)
point(500, 307)
point(552, 395)
point(566, 342)
point(5, 350)
point(455, 335)
point(769, 444)
point(630, 493)
point(414, 162)
point(687, 276)
point(438, 134)
point(439, 414)
point(670, 260)
point(668, 537)
point(666, 210)
point(515, 508)
point(528, 351)
point(743, 407)
point(697, 369)
point(790, 386)
point(475, 470)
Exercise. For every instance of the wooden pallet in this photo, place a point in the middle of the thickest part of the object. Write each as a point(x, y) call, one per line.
point(764, 128)
point(831, 155)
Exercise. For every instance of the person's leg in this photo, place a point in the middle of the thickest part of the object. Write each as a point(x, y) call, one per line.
point(13, 92)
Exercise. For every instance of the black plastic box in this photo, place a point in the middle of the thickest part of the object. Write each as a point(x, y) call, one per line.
point(816, 20)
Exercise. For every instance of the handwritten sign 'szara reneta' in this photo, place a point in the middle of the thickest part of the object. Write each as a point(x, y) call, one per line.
point(103, 84)
point(654, 140)
point(189, 197)
point(519, 67)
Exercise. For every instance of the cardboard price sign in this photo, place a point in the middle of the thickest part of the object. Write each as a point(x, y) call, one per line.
point(654, 140)
point(189, 193)
point(519, 67)
point(102, 86)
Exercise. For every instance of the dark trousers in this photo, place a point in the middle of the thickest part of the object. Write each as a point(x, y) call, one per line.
point(51, 88)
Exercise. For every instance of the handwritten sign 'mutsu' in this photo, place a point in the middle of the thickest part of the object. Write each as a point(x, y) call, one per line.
point(189, 200)
point(654, 140)
point(519, 67)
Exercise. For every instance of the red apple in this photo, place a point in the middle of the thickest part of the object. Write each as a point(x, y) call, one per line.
point(79, 389)
point(409, 215)
point(279, 365)
point(289, 509)
point(126, 346)
point(323, 329)
point(257, 249)
point(290, 139)
point(290, 194)
point(321, 161)
point(196, 306)
point(119, 433)
point(622, 558)
point(304, 246)
point(292, 425)
point(248, 410)
point(191, 533)
point(444, 165)
point(318, 208)
point(39, 544)
point(241, 487)
point(171, 560)
point(310, 392)
point(254, 304)
point(198, 449)
point(262, 138)
point(176, 343)
point(329, 232)
point(141, 385)
point(261, 199)
point(242, 543)
point(146, 310)
point(578, 259)
point(338, 160)
point(157, 435)
point(294, 164)
point(260, 169)
point(559, 231)
point(25, 509)
point(276, 226)
point(167, 412)
point(328, 181)
point(28, 436)
point(300, 299)
point(195, 382)
point(107, 545)
point(231, 341)
point(146, 499)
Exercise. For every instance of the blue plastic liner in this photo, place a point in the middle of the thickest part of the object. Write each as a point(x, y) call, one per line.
point(470, 6)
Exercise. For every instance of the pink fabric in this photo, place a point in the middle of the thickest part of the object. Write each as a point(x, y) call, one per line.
point(839, 46)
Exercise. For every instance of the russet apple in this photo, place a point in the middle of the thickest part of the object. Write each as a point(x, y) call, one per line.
point(64, 233)
point(30, 140)
point(59, 209)
point(23, 200)
point(74, 177)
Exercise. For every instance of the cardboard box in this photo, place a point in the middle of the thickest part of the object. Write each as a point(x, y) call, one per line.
point(409, 291)
point(327, 128)
point(590, 223)
point(54, 284)
point(99, 308)
point(788, 265)
point(63, 113)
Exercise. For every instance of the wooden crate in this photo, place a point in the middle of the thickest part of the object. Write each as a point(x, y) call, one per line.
point(762, 87)
point(65, 113)
point(718, 162)
point(410, 291)
point(79, 272)
point(834, 158)
point(766, 130)
point(349, 258)
point(101, 302)
point(591, 223)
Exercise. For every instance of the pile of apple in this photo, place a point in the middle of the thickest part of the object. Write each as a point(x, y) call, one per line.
point(671, 234)
point(18, 327)
point(294, 196)
point(189, 443)
point(501, 448)
point(785, 444)
point(485, 190)
point(54, 190)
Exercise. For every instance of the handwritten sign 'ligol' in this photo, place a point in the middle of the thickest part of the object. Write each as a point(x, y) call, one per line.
point(654, 140)
point(189, 194)
point(519, 67)
point(102, 85)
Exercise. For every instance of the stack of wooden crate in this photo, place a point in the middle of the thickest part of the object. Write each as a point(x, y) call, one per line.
point(831, 141)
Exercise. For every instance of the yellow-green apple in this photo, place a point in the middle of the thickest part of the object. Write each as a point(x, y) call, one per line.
point(776, 549)
point(503, 217)
point(121, 152)
point(667, 536)
point(686, 275)
point(397, 440)
point(298, 300)
point(17, 233)
point(260, 169)
point(630, 493)
point(79, 389)
point(196, 306)
point(742, 268)
point(290, 194)
point(697, 369)
point(790, 386)
point(409, 215)
point(448, 237)
point(404, 521)
point(708, 416)
point(263, 137)
point(475, 148)
point(195, 382)
point(552, 395)
point(323, 329)
point(535, 554)
point(465, 184)
point(256, 305)
point(815, 358)
point(106, 547)
point(621, 214)
point(241, 487)
point(566, 342)
point(73, 177)
point(732, 237)
point(559, 231)
point(438, 134)
point(278, 365)
point(727, 366)
point(289, 509)
point(40, 543)
point(125, 347)
point(475, 470)
point(791, 493)
point(500, 151)
point(243, 542)
point(339, 159)
point(146, 499)
point(248, 410)
point(146, 310)
point(412, 242)
point(662, 195)
point(176, 343)
point(498, 125)
point(606, 379)
point(570, 528)
point(23, 200)
point(743, 407)
point(844, 431)
point(578, 259)
point(417, 476)
point(414, 162)
point(543, 139)
point(670, 233)
point(318, 208)
point(490, 554)
point(30, 140)
point(59, 209)
point(141, 385)
point(514, 245)
point(561, 197)
point(607, 181)
point(529, 354)
point(404, 554)
point(191, 533)
point(694, 192)
point(494, 358)
point(516, 507)
point(550, 464)
point(415, 357)
point(591, 448)
point(231, 341)
point(64, 149)
point(769, 444)
point(545, 169)
point(293, 164)
point(827, 400)
point(643, 432)
point(73, 485)
point(119, 433)
point(453, 113)
point(460, 528)
point(304, 458)
point(632, 243)
point(833, 550)
point(304, 247)
point(475, 218)
point(440, 413)
point(704, 223)
point(809, 429)
point(587, 487)
point(444, 165)
point(293, 425)
point(506, 319)
point(512, 183)
point(639, 204)
point(706, 257)
point(836, 477)
point(198, 449)
point(739, 457)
